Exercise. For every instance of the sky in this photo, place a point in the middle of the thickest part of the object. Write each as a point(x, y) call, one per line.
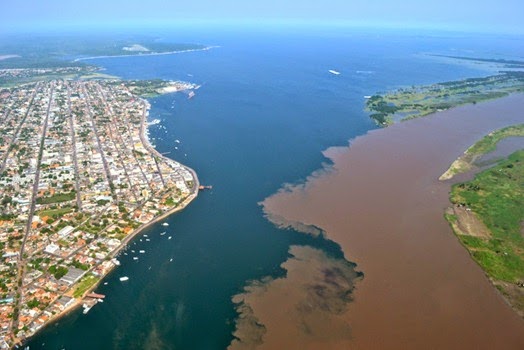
point(498, 16)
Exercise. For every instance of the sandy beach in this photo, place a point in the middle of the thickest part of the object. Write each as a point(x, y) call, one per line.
point(383, 203)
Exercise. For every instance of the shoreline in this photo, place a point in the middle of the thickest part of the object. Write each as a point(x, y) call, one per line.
point(207, 48)
point(193, 195)
point(416, 276)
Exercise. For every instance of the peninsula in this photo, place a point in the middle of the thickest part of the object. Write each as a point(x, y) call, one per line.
point(78, 179)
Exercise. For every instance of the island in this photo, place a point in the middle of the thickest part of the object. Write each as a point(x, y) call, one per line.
point(487, 213)
point(417, 101)
point(78, 180)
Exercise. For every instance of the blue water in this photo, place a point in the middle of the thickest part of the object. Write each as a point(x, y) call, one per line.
point(266, 109)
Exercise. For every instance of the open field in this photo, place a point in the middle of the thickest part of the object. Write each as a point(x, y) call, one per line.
point(496, 197)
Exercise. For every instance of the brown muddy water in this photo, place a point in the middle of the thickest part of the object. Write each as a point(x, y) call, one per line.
point(382, 202)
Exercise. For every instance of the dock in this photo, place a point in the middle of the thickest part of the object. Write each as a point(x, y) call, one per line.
point(95, 296)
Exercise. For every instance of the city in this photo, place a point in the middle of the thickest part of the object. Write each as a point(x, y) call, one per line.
point(78, 178)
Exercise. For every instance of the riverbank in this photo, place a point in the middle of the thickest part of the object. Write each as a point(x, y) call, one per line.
point(381, 200)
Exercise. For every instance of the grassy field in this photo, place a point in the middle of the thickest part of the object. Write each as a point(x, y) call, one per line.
point(52, 212)
point(85, 284)
point(418, 101)
point(57, 198)
point(496, 197)
point(488, 144)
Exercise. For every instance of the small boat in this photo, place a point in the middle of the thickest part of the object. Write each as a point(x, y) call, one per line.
point(170, 259)
point(191, 94)
point(141, 251)
point(135, 258)
point(165, 224)
point(162, 233)
point(169, 237)
point(100, 300)
point(86, 308)
point(332, 71)
point(132, 251)
point(116, 262)
point(148, 240)
point(145, 235)
point(105, 283)
point(125, 278)
point(177, 141)
point(367, 97)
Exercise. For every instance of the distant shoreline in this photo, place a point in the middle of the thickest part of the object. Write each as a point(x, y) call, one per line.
point(207, 48)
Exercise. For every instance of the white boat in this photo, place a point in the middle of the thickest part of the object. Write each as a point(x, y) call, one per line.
point(86, 308)
point(165, 224)
point(141, 251)
point(169, 237)
point(154, 122)
point(116, 262)
point(332, 71)
point(367, 97)
point(145, 235)
point(170, 259)
point(135, 258)
point(177, 141)
point(162, 233)
point(147, 240)
point(125, 278)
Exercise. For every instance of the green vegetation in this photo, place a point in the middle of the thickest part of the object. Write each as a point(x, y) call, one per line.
point(33, 303)
point(79, 265)
point(84, 285)
point(57, 198)
point(496, 196)
point(419, 101)
point(170, 202)
point(58, 271)
point(55, 212)
point(485, 145)
point(150, 88)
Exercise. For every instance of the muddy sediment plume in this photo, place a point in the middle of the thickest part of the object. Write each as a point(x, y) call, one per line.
point(381, 201)
point(303, 310)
